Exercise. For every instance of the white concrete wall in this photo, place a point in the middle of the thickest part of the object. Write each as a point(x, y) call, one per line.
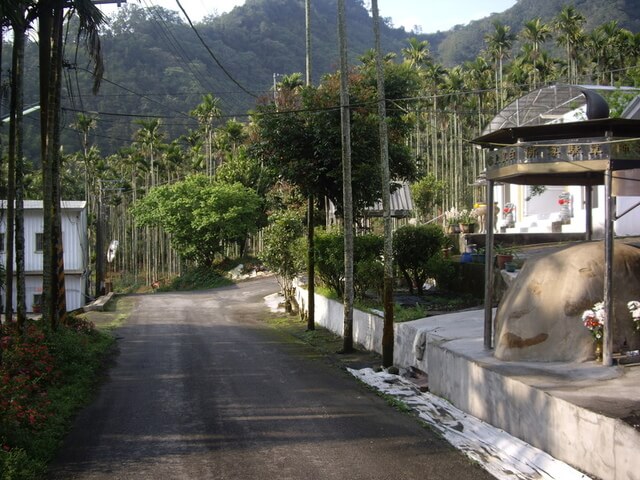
point(367, 327)
point(74, 286)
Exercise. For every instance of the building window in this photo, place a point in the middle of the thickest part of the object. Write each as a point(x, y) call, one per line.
point(39, 242)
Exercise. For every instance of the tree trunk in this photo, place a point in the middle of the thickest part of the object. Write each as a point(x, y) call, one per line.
point(50, 44)
point(18, 68)
point(15, 147)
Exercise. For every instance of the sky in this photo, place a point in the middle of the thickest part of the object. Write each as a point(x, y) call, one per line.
point(429, 15)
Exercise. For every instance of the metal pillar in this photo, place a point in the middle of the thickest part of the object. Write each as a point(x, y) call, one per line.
point(588, 208)
point(488, 268)
point(607, 340)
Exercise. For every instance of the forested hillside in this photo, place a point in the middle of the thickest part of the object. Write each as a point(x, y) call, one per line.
point(464, 43)
point(156, 66)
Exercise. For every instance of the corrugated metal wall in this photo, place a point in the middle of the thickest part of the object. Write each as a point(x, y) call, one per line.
point(74, 241)
point(74, 289)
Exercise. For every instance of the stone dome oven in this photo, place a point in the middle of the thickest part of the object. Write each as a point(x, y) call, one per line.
point(539, 318)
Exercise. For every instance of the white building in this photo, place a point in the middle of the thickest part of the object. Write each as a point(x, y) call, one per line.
point(558, 208)
point(75, 246)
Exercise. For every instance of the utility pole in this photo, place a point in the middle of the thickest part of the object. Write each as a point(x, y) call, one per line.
point(311, 270)
point(387, 331)
point(100, 267)
point(347, 195)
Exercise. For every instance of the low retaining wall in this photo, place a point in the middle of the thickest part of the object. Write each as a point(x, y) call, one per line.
point(367, 327)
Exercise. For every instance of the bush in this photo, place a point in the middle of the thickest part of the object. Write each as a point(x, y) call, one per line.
point(45, 377)
point(367, 251)
point(414, 248)
point(197, 278)
point(281, 250)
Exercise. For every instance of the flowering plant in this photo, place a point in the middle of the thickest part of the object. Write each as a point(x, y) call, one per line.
point(593, 319)
point(466, 216)
point(452, 216)
point(634, 308)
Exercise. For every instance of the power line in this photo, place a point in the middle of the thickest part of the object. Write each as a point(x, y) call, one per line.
point(212, 54)
point(174, 43)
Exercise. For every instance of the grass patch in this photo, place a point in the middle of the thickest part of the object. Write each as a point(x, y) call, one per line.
point(200, 278)
point(45, 378)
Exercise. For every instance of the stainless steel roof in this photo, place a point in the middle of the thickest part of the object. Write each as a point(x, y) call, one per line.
point(38, 205)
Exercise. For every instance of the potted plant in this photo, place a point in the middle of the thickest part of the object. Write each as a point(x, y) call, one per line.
point(510, 267)
point(509, 214)
point(452, 219)
point(504, 255)
point(466, 220)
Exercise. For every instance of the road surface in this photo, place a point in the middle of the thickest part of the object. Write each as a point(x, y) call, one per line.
point(202, 388)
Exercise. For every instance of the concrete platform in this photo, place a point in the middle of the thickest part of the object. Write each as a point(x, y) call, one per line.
point(584, 414)
point(99, 303)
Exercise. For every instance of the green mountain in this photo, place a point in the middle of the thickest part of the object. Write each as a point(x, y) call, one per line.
point(465, 42)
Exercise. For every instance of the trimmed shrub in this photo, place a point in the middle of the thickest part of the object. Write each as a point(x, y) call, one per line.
point(414, 249)
point(367, 252)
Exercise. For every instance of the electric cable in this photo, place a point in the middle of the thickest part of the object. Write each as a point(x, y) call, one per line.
point(212, 54)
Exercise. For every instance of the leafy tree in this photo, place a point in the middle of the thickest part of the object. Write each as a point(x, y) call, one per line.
point(303, 142)
point(280, 253)
point(414, 247)
point(428, 193)
point(201, 215)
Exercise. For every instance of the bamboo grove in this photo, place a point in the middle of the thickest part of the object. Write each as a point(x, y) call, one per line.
point(444, 107)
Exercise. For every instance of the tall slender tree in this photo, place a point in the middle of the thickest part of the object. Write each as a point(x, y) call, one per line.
point(569, 24)
point(50, 33)
point(206, 113)
point(500, 42)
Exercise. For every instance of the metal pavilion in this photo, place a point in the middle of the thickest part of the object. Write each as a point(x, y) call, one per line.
point(597, 151)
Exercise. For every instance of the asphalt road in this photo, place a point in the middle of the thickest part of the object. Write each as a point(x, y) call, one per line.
point(202, 388)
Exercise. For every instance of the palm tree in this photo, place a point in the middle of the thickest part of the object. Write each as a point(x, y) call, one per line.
point(569, 25)
point(206, 113)
point(417, 54)
point(499, 43)
point(50, 32)
point(535, 33)
point(149, 141)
